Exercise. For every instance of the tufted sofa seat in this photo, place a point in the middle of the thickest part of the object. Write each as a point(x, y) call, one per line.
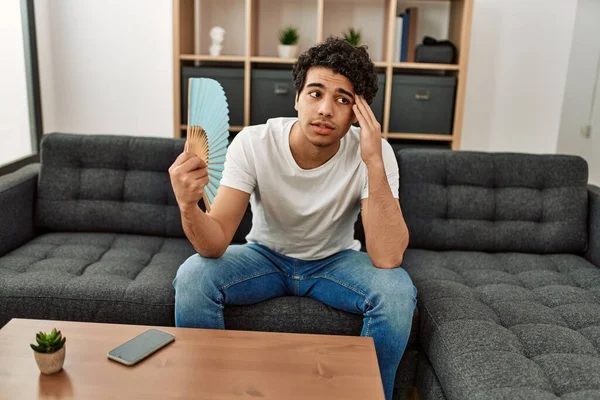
point(82, 276)
point(510, 325)
point(504, 256)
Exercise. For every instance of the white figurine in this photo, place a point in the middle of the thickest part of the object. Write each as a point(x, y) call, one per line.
point(216, 34)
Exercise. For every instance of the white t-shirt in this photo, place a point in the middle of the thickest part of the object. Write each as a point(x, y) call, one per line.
point(304, 214)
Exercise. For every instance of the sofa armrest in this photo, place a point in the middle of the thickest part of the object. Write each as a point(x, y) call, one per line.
point(17, 200)
point(593, 252)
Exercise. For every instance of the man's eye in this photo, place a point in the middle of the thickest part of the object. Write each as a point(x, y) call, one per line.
point(315, 94)
point(344, 100)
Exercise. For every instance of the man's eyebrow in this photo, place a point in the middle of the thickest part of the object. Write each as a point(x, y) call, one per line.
point(340, 90)
point(347, 93)
point(319, 85)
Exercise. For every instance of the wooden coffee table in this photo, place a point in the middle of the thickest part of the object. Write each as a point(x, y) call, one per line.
point(200, 364)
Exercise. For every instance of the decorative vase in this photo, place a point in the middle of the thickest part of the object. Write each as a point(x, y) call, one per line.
point(215, 50)
point(217, 34)
point(287, 51)
point(50, 363)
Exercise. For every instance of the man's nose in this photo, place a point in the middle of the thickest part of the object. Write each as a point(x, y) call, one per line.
point(326, 107)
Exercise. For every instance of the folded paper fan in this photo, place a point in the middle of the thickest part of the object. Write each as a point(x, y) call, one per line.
point(208, 130)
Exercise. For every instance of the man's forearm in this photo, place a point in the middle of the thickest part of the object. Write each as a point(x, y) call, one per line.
point(205, 234)
point(387, 236)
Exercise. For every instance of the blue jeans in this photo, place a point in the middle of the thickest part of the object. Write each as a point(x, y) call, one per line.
point(348, 281)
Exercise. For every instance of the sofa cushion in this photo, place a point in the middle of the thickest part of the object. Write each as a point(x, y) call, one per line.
point(107, 183)
point(97, 277)
point(120, 278)
point(463, 200)
point(498, 325)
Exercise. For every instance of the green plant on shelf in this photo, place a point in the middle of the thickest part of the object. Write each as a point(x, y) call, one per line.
point(353, 36)
point(289, 36)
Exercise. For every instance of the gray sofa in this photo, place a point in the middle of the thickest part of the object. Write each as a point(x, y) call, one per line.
point(504, 251)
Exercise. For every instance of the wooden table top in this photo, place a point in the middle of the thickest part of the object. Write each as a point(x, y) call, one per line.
point(200, 364)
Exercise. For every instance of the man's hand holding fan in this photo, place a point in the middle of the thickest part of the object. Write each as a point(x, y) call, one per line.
point(189, 176)
point(197, 172)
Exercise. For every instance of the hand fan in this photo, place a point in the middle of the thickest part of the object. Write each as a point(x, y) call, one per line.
point(208, 130)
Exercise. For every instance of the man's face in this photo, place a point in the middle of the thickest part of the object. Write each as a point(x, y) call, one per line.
point(324, 106)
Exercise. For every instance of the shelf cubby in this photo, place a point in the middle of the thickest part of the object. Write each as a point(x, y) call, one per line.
point(368, 16)
point(269, 17)
point(229, 15)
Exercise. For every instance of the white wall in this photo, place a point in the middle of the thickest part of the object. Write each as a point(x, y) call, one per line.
point(15, 136)
point(107, 66)
point(517, 74)
point(579, 92)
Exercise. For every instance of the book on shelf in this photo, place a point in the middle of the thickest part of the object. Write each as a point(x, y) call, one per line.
point(405, 39)
point(413, 13)
point(398, 38)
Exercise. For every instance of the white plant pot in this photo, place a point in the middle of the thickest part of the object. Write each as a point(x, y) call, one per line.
point(50, 363)
point(287, 51)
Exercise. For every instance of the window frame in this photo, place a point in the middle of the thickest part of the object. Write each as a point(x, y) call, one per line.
point(32, 77)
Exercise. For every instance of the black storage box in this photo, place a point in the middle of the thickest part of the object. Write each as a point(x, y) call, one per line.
point(272, 95)
point(232, 80)
point(422, 104)
point(436, 51)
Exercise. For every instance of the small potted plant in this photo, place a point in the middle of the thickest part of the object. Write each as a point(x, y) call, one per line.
point(288, 42)
point(353, 36)
point(49, 352)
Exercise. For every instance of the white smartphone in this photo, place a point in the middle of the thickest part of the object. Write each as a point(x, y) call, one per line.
point(140, 347)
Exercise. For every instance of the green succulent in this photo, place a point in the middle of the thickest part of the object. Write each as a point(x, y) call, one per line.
point(49, 342)
point(289, 35)
point(353, 36)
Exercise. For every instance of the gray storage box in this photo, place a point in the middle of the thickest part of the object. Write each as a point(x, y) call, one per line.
point(232, 80)
point(422, 104)
point(272, 95)
point(377, 104)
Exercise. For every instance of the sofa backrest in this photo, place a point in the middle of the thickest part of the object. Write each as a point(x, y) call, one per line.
point(467, 200)
point(111, 183)
point(108, 183)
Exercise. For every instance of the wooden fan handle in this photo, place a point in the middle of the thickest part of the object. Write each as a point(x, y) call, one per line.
point(206, 202)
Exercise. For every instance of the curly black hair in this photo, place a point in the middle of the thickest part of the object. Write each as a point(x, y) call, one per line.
point(342, 58)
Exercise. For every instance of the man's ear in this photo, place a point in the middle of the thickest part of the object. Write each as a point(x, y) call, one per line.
point(296, 101)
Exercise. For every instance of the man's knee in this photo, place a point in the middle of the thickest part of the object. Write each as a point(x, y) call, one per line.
point(394, 289)
point(195, 273)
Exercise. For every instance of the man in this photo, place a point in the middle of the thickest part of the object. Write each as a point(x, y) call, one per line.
point(306, 179)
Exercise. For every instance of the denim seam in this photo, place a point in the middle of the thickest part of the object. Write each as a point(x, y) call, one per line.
point(296, 281)
point(220, 314)
point(228, 285)
point(256, 275)
point(333, 279)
